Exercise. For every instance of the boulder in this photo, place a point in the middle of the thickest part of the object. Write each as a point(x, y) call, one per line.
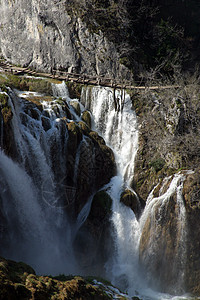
point(130, 199)
point(76, 106)
point(86, 117)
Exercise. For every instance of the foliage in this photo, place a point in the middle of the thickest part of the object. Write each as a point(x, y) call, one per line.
point(169, 126)
point(5, 109)
point(26, 84)
point(157, 164)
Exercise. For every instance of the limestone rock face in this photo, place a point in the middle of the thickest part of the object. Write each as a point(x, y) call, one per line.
point(191, 192)
point(169, 244)
point(43, 35)
point(159, 248)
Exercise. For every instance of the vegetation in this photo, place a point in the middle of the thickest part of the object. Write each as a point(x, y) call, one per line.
point(170, 123)
point(19, 281)
point(146, 32)
point(5, 109)
point(25, 84)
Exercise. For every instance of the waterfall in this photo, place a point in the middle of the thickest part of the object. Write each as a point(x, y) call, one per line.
point(35, 195)
point(157, 210)
point(33, 190)
point(119, 129)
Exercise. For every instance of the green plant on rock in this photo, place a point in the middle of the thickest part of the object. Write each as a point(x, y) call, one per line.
point(157, 164)
point(5, 108)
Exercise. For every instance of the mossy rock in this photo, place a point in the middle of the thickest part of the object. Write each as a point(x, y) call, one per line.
point(3, 99)
point(30, 286)
point(76, 107)
point(131, 200)
point(5, 108)
point(101, 205)
point(86, 117)
point(94, 135)
point(74, 90)
point(85, 129)
point(15, 270)
point(75, 136)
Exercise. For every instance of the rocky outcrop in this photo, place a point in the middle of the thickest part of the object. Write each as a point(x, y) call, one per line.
point(88, 162)
point(169, 124)
point(191, 192)
point(19, 281)
point(89, 159)
point(160, 246)
point(55, 39)
point(130, 199)
point(6, 134)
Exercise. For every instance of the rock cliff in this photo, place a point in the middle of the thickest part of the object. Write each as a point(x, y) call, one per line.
point(169, 124)
point(44, 35)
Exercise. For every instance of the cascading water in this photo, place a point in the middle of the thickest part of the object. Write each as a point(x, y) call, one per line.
point(33, 200)
point(119, 128)
point(32, 194)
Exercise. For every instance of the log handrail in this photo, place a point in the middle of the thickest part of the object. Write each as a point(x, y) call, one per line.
point(81, 78)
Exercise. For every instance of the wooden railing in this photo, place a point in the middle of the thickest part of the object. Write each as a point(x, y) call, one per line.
point(80, 78)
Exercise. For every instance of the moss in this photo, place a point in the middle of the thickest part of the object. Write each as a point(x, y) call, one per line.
point(76, 106)
point(26, 84)
point(157, 164)
point(75, 136)
point(5, 108)
point(91, 279)
point(60, 101)
point(63, 277)
point(86, 117)
point(74, 89)
point(85, 129)
point(94, 135)
point(3, 88)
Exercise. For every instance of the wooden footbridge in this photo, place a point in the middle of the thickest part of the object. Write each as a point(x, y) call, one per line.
point(79, 78)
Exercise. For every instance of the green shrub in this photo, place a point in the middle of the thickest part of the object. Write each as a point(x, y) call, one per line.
point(157, 164)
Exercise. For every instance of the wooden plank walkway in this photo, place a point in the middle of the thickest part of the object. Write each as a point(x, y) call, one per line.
point(80, 78)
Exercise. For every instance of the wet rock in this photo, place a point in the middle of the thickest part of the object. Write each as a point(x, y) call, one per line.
point(75, 136)
point(46, 123)
point(76, 107)
point(17, 283)
point(191, 192)
point(86, 130)
point(94, 135)
point(130, 199)
point(86, 117)
point(159, 247)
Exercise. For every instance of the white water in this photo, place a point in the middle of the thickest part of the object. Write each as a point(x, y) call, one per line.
point(119, 129)
point(38, 202)
point(33, 191)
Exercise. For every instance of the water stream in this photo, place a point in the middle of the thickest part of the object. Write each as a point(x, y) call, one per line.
point(120, 130)
point(33, 200)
